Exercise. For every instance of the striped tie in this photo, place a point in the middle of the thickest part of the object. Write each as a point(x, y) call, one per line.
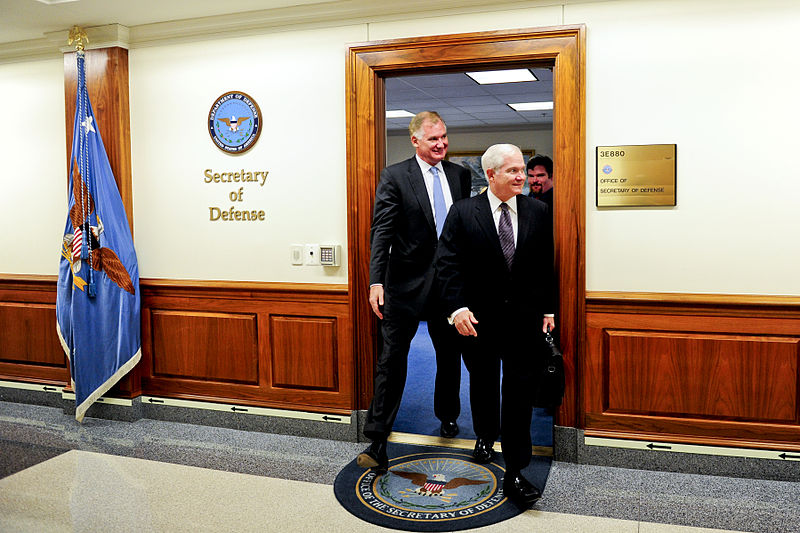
point(506, 233)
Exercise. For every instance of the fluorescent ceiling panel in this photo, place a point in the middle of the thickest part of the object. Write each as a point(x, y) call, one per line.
point(531, 106)
point(502, 76)
point(398, 113)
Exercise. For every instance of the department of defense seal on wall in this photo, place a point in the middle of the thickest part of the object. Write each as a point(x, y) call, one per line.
point(234, 122)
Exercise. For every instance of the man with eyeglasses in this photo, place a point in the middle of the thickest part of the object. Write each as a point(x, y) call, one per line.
point(490, 246)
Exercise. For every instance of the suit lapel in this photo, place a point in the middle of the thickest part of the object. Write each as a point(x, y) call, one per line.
point(485, 220)
point(417, 183)
point(524, 224)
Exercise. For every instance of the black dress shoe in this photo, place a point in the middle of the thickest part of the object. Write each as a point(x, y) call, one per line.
point(374, 457)
point(448, 430)
point(483, 452)
point(520, 490)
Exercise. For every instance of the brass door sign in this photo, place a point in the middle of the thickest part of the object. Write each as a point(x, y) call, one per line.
point(636, 175)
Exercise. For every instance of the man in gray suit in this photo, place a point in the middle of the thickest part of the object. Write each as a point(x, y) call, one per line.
point(491, 246)
point(411, 204)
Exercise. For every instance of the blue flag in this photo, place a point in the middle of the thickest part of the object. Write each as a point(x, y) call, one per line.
point(97, 305)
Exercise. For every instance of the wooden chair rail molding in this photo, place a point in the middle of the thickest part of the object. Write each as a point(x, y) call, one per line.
point(696, 298)
point(244, 289)
point(691, 303)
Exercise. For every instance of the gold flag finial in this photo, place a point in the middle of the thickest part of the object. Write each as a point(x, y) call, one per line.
point(78, 35)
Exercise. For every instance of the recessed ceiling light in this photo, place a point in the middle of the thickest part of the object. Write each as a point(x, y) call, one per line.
point(398, 113)
point(502, 76)
point(52, 2)
point(531, 106)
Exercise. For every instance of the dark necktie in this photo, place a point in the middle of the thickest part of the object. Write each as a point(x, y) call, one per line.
point(506, 233)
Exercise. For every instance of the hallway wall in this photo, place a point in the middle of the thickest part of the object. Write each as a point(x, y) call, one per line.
point(658, 72)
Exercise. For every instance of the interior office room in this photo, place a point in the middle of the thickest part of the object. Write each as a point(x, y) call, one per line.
point(679, 321)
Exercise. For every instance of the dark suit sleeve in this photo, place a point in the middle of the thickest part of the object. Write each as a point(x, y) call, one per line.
point(466, 182)
point(550, 303)
point(543, 272)
point(449, 268)
point(384, 221)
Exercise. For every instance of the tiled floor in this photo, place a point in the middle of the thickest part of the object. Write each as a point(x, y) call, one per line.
point(162, 476)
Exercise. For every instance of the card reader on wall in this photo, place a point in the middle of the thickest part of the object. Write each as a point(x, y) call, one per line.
point(329, 254)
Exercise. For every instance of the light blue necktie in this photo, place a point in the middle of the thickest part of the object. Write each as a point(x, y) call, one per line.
point(439, 209)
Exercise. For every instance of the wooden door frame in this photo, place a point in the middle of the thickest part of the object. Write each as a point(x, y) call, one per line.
point(368, 64)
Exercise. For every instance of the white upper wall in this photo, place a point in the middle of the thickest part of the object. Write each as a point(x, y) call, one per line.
point(33, 202)
point(297, 78)
point(720, 80)
point(704, 76)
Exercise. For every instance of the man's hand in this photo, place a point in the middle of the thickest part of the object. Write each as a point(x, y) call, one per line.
point(464, 321)
point(376, 299)
point(548, 321)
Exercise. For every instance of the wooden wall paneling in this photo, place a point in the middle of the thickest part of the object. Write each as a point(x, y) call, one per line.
point(310, 355)
point(368, 64)
point(29, 346)
point(277, 352)
point(205, 340)
point(220, 347)
point(28, 334)
point(680, 368)
point(304, 352)
point(700, 375)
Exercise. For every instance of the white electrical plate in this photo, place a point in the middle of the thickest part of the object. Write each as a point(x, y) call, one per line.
point(312, 254)
point(296, 254)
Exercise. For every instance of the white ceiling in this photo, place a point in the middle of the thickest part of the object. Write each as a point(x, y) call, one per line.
point(463, 103)
point(31, 19)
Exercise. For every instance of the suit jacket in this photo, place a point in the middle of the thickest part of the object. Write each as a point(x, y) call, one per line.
point(403, 237)
point(546, 197)
point(472, 271)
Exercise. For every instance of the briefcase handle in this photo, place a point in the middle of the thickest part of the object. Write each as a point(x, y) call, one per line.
point(548, 338)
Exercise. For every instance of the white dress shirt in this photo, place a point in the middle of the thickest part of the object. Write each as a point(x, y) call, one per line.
point(494, 205)
point(427, 175)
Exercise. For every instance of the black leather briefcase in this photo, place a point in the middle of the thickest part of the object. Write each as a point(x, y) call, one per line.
point(549, 391)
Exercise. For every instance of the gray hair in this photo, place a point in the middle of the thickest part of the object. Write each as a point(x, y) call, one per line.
point(415, 126)
point(495, 156)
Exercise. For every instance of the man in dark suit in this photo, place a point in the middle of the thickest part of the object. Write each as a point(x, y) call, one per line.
point(411, 204)
point(490, 246)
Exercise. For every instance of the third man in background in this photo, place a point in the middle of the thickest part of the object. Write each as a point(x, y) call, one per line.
point(540, 179)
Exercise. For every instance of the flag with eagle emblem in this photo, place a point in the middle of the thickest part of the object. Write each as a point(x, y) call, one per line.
point(97, 304)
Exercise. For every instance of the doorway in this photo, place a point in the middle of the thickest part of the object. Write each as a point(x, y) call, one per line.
point(369, 66)
point(480, 108)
